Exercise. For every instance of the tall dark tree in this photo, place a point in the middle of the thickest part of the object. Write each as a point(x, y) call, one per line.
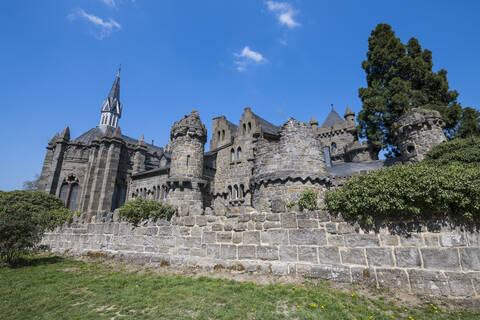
point(469, 124)
point(400, 77)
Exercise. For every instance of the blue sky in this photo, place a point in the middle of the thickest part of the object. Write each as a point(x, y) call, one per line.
point(58, 60)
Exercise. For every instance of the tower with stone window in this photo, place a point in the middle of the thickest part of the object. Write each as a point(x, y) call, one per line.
point(111, 110)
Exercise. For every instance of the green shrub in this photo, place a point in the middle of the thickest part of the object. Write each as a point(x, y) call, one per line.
point(142, 209)
point(24, 217)
point(308, 200)
point(411, 193)
point(465, 151)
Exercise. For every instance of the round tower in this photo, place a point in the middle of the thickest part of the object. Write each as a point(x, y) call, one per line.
point(349, 116)
point(416, 132)
point(188, 137)
point(286, 168)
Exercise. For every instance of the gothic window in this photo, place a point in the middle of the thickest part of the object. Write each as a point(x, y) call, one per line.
point(244, 129)
point(239, 154)
point(223, 135)
point(242, 191)
point(69, 192)
point(249, 127)
point(230, 193)
point(72, 200)
point(64, 192)
point(232, 153)
point(218, 136)
point(188, 159)
point(334, 146)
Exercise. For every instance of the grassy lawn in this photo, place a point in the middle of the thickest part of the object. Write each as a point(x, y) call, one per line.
point(49, 287)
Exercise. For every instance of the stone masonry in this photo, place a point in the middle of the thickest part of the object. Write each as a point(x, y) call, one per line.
point(438, 260)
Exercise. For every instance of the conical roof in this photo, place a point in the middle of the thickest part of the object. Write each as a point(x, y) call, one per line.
point(332, 118)
point(115, 91)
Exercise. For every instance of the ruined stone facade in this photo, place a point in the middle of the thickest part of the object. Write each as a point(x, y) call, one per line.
point(250, 165)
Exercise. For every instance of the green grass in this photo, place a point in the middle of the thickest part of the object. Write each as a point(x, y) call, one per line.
point(50, 287)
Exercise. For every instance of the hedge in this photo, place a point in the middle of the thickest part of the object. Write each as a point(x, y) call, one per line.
point(137, 210)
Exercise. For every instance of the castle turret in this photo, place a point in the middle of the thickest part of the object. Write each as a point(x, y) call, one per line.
point(188, 137)
point(285, 168)
point(111, 110)
point(349, 116)
point(417, 131)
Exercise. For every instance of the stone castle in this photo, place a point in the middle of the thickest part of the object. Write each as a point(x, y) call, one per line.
point(254, 165)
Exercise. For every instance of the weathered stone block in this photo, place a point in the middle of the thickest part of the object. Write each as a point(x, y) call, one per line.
point(408, 257)
point(344, 227)
point(224, 237)
point(323, 216)
point(165, 231)
point(278, 237)
point(278, 205)
point(431, 240)
point(331, 227)
point(209, 237)
point(470, 258)
point(307, 237)
point(189, 221)
point(380, 257)
point(251, 237)
point(288, 253)
point(191, 242)
point(201, 221)
point(460, 284)
point(307, 224)
point(336, 240)
point(328, 255)
point(388, 240)
point(307, 254)
point(244, 218)
point(213, 251)
point(267, 253)
point(362, 240)
point(452, 240)
point(428, 282)
point(271, 225)
point(288, 220)
point(334, 273)
point(228, 251)
point(440, 258)
point(217, 227)
point(246, 252)
point(273, 217)
point(240, 226)
point(237, 237)
point(363, 275)
point(392, 278)
point(279, 269)
point(353, 256)
point(411, 240)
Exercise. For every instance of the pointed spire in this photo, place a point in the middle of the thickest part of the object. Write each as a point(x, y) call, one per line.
point(65, 135)
point(348, 112)
point(313, 121)
point(115, 91)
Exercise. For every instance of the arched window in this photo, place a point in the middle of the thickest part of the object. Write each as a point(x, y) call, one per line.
point(188, 160)
point(218, 136)
point(72, 199)
point(64, 192)
point(239, 154)
point(334, 146)
point(244, 128)
point(230, 193)
point(242, 191)
point(235, 192)
point(223, 135)
point(249, 127)
point(232, 153)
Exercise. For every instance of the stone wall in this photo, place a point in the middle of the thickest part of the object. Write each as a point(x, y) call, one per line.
point(438, 260)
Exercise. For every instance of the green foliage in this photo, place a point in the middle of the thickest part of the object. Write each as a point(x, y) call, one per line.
point(469, 125)
point(466, 151)
point(24, 217)
point(140, 209)
point(400, 77)
point(411, 193)
point(308, 200)
point(102, 291)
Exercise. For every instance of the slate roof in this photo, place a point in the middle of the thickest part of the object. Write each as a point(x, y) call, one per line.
point(88, 137)
point(332, 118)
point(266, 126)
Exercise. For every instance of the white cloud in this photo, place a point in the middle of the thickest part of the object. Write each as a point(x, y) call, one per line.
point(247, 57)
point(110, 3)
point(105, 28)
point(284, 12)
